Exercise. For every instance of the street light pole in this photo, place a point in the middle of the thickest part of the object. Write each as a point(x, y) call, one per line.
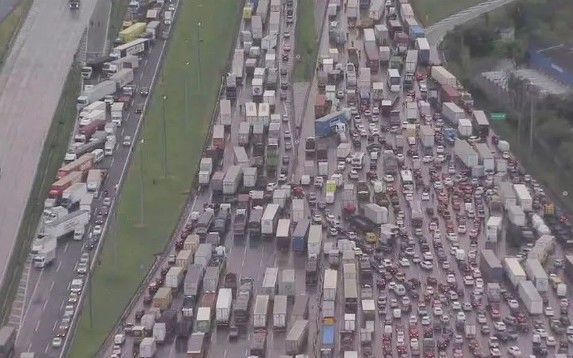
point(199, 57)
point(141, 184)
point(164, 140)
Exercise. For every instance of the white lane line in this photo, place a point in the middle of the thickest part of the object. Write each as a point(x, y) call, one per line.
point(52, 285)
point(59, 266)
point(47, 347)
point(36, 329)
point(54, 327)
point(66, 247)
point(44, 306)
point(29, 347)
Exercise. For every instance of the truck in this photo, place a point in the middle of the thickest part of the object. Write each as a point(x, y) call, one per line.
point(423, 47)
point(493, 228)
point(244, 133)
point(71, 196)
point(390, 162)
point(65, 225)
point(204, 223)
point(299, 236)
point(375, 213)
point(218, 138)
point(329, 285)
point(536, 273)
point(86, 202)
point(147, 347)
point(211, 279)
point(343, 150)
point(193, 280)
point(270, 281)
point(83, 164)
point(225, 114)
point(287, 283)
point(110, 144)
point(298, 210)
point(242, 305)
point(466, 154)
point(46, 255)
point(205, 170)
point(452, 113)
point(112, 67)
point(328, 335)
point(238, 64)
point(258, 344)
point(185, 257)
point(279, 312)
point(94, 180)
point(282, 237)
point(314, 244)
point(224, 306)
point(203, 255)
point(491, 266)
point(269, 220)
point(74, 4)
point(514, 271)
point(296, 339)
point(260, 312)
point(410, 66)
point(523, 197)
point(134, 47)
point(195, 346)
point(443, 76)
point(330, 124)
point(530, 297)
point(174, 278)
point(203, 320)
point(96, 93)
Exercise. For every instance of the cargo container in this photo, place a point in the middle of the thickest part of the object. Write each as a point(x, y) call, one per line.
point(300, 308)
point(466, 153)
point(314, 245)
point(191, 243)
point(226, 116)
point(269, 219)
point(530, 297)
point(183, 259)
point(211, 279)
point(298, 210)
point(516, 215)
point(174, 278)
point(443, 76)
point(328, 336)
point(193, 280)
point(330, 124)
point(83, 164)
point(523, 197)
point(218, 139)
point(452, 113)
point(296, 339)
point(376, 213)
point(299, 236)
point(203, 255)
point(514, 271)
point(343, 150)
point(223, 307)
point(270, 280)
point(233, 179)
point(261, 311)
point(423, 47)
point(203, 320)
point(195, 346)
point(280, 312)
point(162, 298)
point(427, 136)
point(537, 275)
point(486, 158)
point(490, 266)
point(282, 237)
point(287, 283)
point(505, 191)
point(465, 128)
point(250, 177)
point(147, 347)
point(493, 228)
point(329, 285)
point(244, 133)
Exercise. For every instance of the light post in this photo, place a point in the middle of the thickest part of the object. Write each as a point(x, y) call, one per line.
point(164, 139)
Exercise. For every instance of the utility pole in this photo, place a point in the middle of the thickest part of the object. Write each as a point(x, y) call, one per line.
point(199, 57)
point(141, 185)
point(164, 139)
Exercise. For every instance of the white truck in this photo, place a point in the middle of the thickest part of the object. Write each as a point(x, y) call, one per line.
point(123, 77)
point(66, 224)
point(261, 311)
point(269, 219)
point(223, 306)
point(270, 280)
point(46, 255)
point(329, 285)
point(314, 243)
point(298, 210)
point(110, 144)
point(205, 170)
point(514, 271)
point(86, 202)
point(376, 213)
point(72, 195)
point(174, 278)
point(225, 112)
point(97, 92)
point(117, 109)
point(94, 180)
point(280, 312)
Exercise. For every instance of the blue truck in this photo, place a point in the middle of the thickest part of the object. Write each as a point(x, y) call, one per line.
point(330, 124)
point(299, 236)
point(328, 334)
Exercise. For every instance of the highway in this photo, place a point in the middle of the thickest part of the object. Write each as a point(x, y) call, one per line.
point(48, 288)
point(31, 82)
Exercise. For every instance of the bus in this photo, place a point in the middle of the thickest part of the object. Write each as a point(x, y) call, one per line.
point(407, 179)
point(416, 215)
point(480, 124)
point(394, 81)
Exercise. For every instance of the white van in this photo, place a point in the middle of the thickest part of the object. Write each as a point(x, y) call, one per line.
point(110, 145)
point(98, 155)
point(167, 17)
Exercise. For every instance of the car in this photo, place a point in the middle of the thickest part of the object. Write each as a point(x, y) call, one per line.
point(468, 280)
point(69, 311)
point(82, 268)
point(106, 201)
point(405, 262)
point(550, 341)
point(427, 265)
point(456, 306)
point(513, 304)
point(286, 160)
point(332, 231)
point(375, 111)
point(548, 311)
point(409, 197)
point(353, 175)
point(341, 166)
point(514, 351)
point(139, 109)
point(440, 149)
point(144, 91)
point(499, 326)
point(425, 196)
point(426, 321)
point(73, 297)
point(388, 178)
point(57, 342)
point(495, 352)
point(97, 230)
point(286, 47)
point(126, 141)
point(461, 229)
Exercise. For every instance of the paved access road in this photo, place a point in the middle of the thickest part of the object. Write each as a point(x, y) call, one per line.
point(48, 288)
point(436, 32)
point(31, 82)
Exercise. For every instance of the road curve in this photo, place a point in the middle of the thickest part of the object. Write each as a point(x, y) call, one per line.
point(436, 32)
point(31, 83)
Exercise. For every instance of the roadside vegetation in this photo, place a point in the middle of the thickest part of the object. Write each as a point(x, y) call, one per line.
point(10, 25)
point(54, 149)
point(478, 47)
point(306, 45)
point(429, 12)
point(130, 248)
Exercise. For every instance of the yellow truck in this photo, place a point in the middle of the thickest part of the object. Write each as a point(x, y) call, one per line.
point(163, 298)
point(184, 259)
point(132, 32)
point(191, 243)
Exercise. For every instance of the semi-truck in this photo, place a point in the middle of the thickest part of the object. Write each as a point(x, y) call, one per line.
point(297, 337)
point(112, 67)
point(46, 255)
point(94, 180)
point(261, 311)
point(299, 236)
point(280, 312)
point(328, 335)
point(242, 306)
point(66, 224)
point(223, 306)
point(96, 93)
point(269, 220)
point(82, 165)
point(71, 196)
point(134, 47)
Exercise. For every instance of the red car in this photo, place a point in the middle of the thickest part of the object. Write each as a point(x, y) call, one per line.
point(420, 76)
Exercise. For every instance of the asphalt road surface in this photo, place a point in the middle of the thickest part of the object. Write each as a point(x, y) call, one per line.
point(6, 8)
point(48, 288)
point(31, 82)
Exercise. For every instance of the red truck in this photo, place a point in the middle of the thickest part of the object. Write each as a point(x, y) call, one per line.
point(62, 184)
point(90, 129)
point(219, 136)
point(83, 164)
point(449, 94)
point(320, 106)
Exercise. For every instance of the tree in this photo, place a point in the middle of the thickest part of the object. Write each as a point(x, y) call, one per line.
point(554, 131)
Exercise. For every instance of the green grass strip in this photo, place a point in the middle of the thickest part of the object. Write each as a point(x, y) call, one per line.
point(429, 12)
point(306, 45)
point(129, 248)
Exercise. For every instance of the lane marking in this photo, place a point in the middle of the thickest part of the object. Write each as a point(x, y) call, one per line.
point(52, 285)
point(36, 329)
point(59, 266)
point(66, 247)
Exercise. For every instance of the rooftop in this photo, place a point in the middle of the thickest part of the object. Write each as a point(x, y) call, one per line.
point(561, 55)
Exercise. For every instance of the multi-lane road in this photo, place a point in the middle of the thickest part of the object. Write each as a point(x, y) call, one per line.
point(31, 82)
point(48, 288)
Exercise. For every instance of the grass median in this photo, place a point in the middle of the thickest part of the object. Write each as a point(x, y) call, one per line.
point(55, 147)
point(429, 12)
point(10, 25)
point(306, 45)
point(130, 247)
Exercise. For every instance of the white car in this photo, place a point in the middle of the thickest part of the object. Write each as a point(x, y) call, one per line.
point(451, 278)
point(499, 326)
point(427, 265)
point(427, 159)
point(405, 262)
point(126, 141)
point(550, 341)
point(438, 311)
point(549, 311)
point(69, 311)
point(341, 166)
point(409, 197)
point(440, 149)
point(426, 321)
point(456, 306)
point(462, 229)
point(495, 352)
point(514, 351)
point(481, 318)
point(388, 178)
point(468, 281)
point(353, 175)
point(425, 196)
point(57, 342)
point(97, 230)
